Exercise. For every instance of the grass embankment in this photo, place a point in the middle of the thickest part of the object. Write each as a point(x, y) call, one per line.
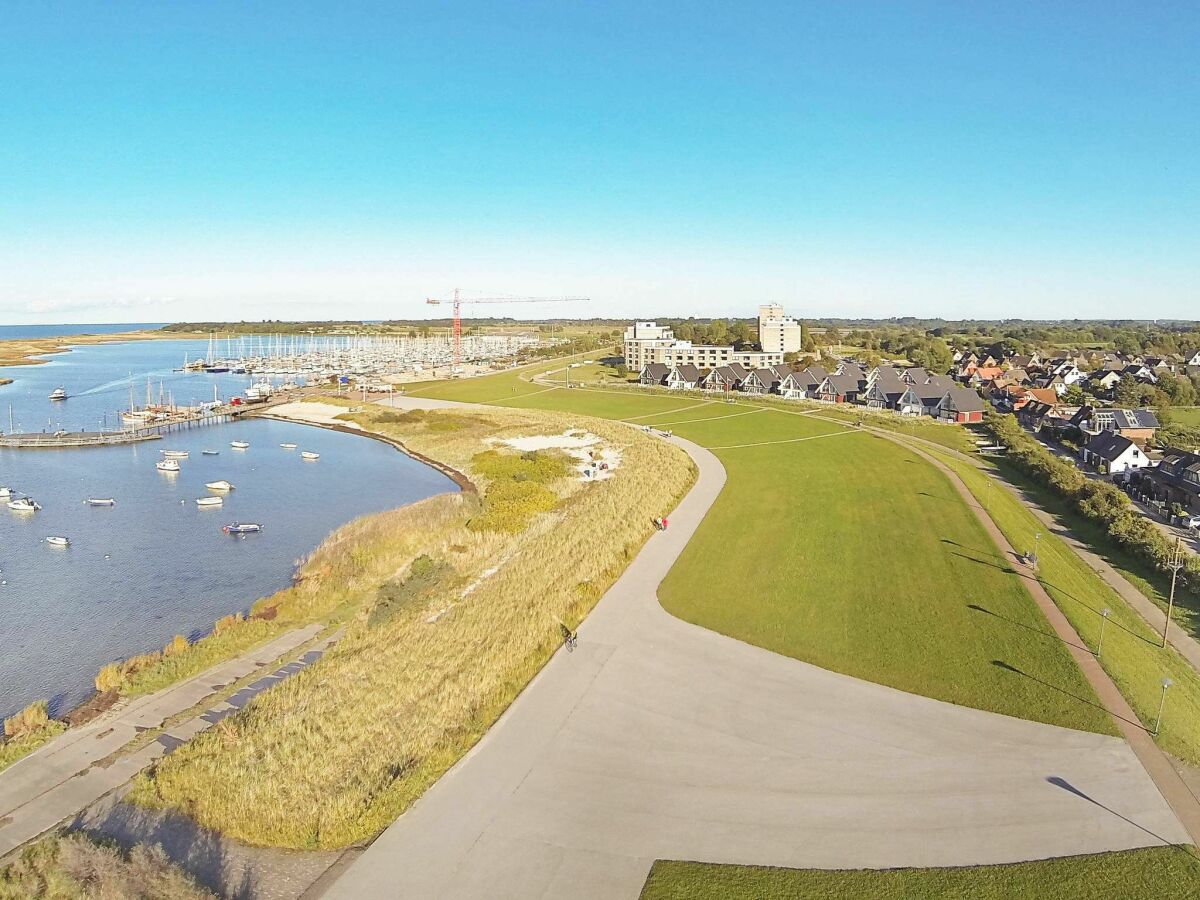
point(72, 867)
point(842, 549)
point(1158, 873)
point(1131, 653)
point(455, 614)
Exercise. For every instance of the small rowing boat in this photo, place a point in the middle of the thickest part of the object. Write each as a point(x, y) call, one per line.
point(240, 445)
point(175, 454)
point(309, 455)
point(209, 501)
point(167, 465)
point(58, 541)
point(100, 501)
point(219, 486)
point(242, 528)
point(289, 446)
point(210, 452)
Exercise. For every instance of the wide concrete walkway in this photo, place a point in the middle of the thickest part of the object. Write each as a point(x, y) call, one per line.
point(660, 739)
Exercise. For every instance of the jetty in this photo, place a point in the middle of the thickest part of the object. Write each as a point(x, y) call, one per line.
point(150, 431)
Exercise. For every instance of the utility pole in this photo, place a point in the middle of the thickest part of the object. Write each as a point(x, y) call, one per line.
point(1175, 564)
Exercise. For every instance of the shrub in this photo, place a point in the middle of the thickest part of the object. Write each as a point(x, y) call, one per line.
point(36, 715)
point(508, 506)
point(532, 465)
point(177, 646)
point(424, 575)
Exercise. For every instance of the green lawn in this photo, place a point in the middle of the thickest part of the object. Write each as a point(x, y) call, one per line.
point(1131, 653)
point(843, 549)
point(1157, 873)
point(1189, 416)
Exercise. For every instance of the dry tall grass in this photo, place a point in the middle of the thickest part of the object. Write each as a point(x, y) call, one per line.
point(332, 755)
point(74, 868)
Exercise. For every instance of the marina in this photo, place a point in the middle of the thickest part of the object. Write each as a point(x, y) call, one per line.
point(140, 566)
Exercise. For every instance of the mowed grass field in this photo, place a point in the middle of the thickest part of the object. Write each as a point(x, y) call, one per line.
point(1158, 873)
point(842, 549)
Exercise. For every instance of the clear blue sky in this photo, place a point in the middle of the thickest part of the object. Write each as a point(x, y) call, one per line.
point(162, 161)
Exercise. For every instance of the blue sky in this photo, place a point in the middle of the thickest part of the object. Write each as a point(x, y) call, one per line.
point(228, 160)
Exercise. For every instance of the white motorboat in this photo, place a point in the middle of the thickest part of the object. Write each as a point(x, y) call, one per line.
point(239, 445)
point(6, 492)
point(167, 465)
point(242, 528)
point(209, 501)
point(24, 504)
point(219, 486)
point(100, 501)
point(58, 541)
point(309, 455)
point(174, 454)
point(289, 446)
point(58, 394)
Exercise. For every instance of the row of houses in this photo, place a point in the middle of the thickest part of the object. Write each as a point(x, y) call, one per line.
point(1097, 373)
point(911, 391)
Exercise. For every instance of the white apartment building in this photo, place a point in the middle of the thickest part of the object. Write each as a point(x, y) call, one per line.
point(778, 333)
point(649, 342)
point(640, 338)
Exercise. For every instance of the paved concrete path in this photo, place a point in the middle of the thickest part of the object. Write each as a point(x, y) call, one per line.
point(660, 739)
point(77, 768)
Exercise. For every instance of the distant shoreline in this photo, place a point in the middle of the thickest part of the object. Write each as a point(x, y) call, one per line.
point(25, 351)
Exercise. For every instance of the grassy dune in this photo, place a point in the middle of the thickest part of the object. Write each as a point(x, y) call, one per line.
point(335, 753)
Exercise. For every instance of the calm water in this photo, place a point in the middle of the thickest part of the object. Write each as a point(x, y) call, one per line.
point(21, 332)
point(152, 566)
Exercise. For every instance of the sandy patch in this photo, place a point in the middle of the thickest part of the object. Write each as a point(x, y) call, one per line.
point(594, 459)
point(313, 411)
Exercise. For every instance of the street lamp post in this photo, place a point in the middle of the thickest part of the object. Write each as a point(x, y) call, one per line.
point(1174, 565)
point(1103, 622)
point(1166, 683)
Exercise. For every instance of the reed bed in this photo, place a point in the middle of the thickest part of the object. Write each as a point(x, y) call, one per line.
point(331, 756)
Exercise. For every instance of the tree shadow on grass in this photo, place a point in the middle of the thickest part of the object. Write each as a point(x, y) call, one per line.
point(1049, 586)
point(1071, 789)
point(1008, 570)
point(1001, 664)
point(991, 553)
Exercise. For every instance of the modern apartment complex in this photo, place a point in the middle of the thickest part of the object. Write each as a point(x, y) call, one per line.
point(649, 342)
point(778, 333)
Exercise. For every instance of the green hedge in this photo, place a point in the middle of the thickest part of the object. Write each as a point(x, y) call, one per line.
point(1101, 502)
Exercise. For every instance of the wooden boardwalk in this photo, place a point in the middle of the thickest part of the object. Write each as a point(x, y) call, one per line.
point(149, 432)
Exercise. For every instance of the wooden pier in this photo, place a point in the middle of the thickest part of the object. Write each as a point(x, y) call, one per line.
point(152, 431)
